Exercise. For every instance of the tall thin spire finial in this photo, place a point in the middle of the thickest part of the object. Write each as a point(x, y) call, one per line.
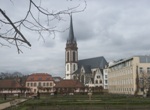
point(71, 33)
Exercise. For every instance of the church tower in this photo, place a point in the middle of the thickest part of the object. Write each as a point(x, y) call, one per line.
point(71, 54)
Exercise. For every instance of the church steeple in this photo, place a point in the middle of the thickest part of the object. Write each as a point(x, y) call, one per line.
point(71, 38)
point(71, 53)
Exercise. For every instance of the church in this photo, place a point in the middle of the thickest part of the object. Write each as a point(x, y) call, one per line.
point(88, 71)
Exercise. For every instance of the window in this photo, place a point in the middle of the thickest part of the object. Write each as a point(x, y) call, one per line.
point(67, 67)
point(31, 85)
point(67, 56)
point(100, 81)
point(28, 84)
point(43, 84)
point(96, 81)
point(141, 80)
point(141, 70)
point(98, 77)
point(105, 76)
point(74, 56)
point(39, 83)
point(105, 81)
point(74, 67)
point(34, 84)
point(148, 69)
point(51, 84)
point(40, 78)
point(47, 84)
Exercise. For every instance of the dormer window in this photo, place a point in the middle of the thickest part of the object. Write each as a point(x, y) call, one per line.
point(32, 79)
point(40, 78)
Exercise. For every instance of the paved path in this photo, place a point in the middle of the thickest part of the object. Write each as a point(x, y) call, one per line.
point(7, 104)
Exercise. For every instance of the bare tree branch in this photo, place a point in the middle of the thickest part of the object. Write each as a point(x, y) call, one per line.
point(14, 36)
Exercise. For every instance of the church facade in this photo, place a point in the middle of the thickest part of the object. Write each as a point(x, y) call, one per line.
point(88, 71)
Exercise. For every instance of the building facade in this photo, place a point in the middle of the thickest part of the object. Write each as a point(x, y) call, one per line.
point(41, 82)
point(105, 77)
point(127, 76)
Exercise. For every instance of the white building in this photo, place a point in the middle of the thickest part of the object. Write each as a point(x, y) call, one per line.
point(41, 82)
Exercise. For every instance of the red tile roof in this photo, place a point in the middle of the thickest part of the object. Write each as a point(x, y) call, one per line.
point(69, 84)
point(10, 83)
point(40, 77)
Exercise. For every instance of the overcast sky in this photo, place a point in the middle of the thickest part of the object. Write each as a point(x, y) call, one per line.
point(114, 29)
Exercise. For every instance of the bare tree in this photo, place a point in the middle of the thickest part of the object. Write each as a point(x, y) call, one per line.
point(13, 34)
point(144, 82)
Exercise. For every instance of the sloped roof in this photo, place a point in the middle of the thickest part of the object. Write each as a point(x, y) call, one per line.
point(97, 62)
point(10, 83)
point(69, 84)
point(40, 77)
point(71, 38)
point(87, 68)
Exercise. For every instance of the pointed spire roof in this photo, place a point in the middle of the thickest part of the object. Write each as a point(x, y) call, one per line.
point(71, 37)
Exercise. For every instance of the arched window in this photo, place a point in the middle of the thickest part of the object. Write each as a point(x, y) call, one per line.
point(82, 78)
point(67, 67)
point(67, 56)
point(74, 56)
point(74, 67)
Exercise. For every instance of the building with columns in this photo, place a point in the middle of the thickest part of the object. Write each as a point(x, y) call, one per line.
point(88, 71)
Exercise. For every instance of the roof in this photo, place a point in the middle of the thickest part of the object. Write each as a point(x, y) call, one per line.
point(142, 59)
point(40, 77)
point(87, 68)
point(69, 84)
point(97, 62)
point(10, 83)
point(57, 79)
point(71, 38)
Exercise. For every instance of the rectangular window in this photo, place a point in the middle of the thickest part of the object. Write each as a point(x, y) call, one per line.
point(51, 84)
point(105, 76)
point(141, 70)
point(47, 84)
point(34, 84)
point(31, 84)
point(67, 67)
point(105, 81)
point(28, 84)
point(148, 69)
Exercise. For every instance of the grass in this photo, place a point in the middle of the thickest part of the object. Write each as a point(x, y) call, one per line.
point(82, 102)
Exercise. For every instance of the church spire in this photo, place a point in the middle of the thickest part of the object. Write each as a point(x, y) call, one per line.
point(71, 38)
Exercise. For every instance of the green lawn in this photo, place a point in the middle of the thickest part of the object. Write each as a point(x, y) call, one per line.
point(82, 102)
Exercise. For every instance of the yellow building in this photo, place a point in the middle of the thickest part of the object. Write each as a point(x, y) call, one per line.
point(129, 76)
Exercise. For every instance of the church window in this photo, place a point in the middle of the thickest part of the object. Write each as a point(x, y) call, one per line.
point(74, 67)
point(67, 56)
point(67, 67)
point(98, 77)
point(74, 56)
